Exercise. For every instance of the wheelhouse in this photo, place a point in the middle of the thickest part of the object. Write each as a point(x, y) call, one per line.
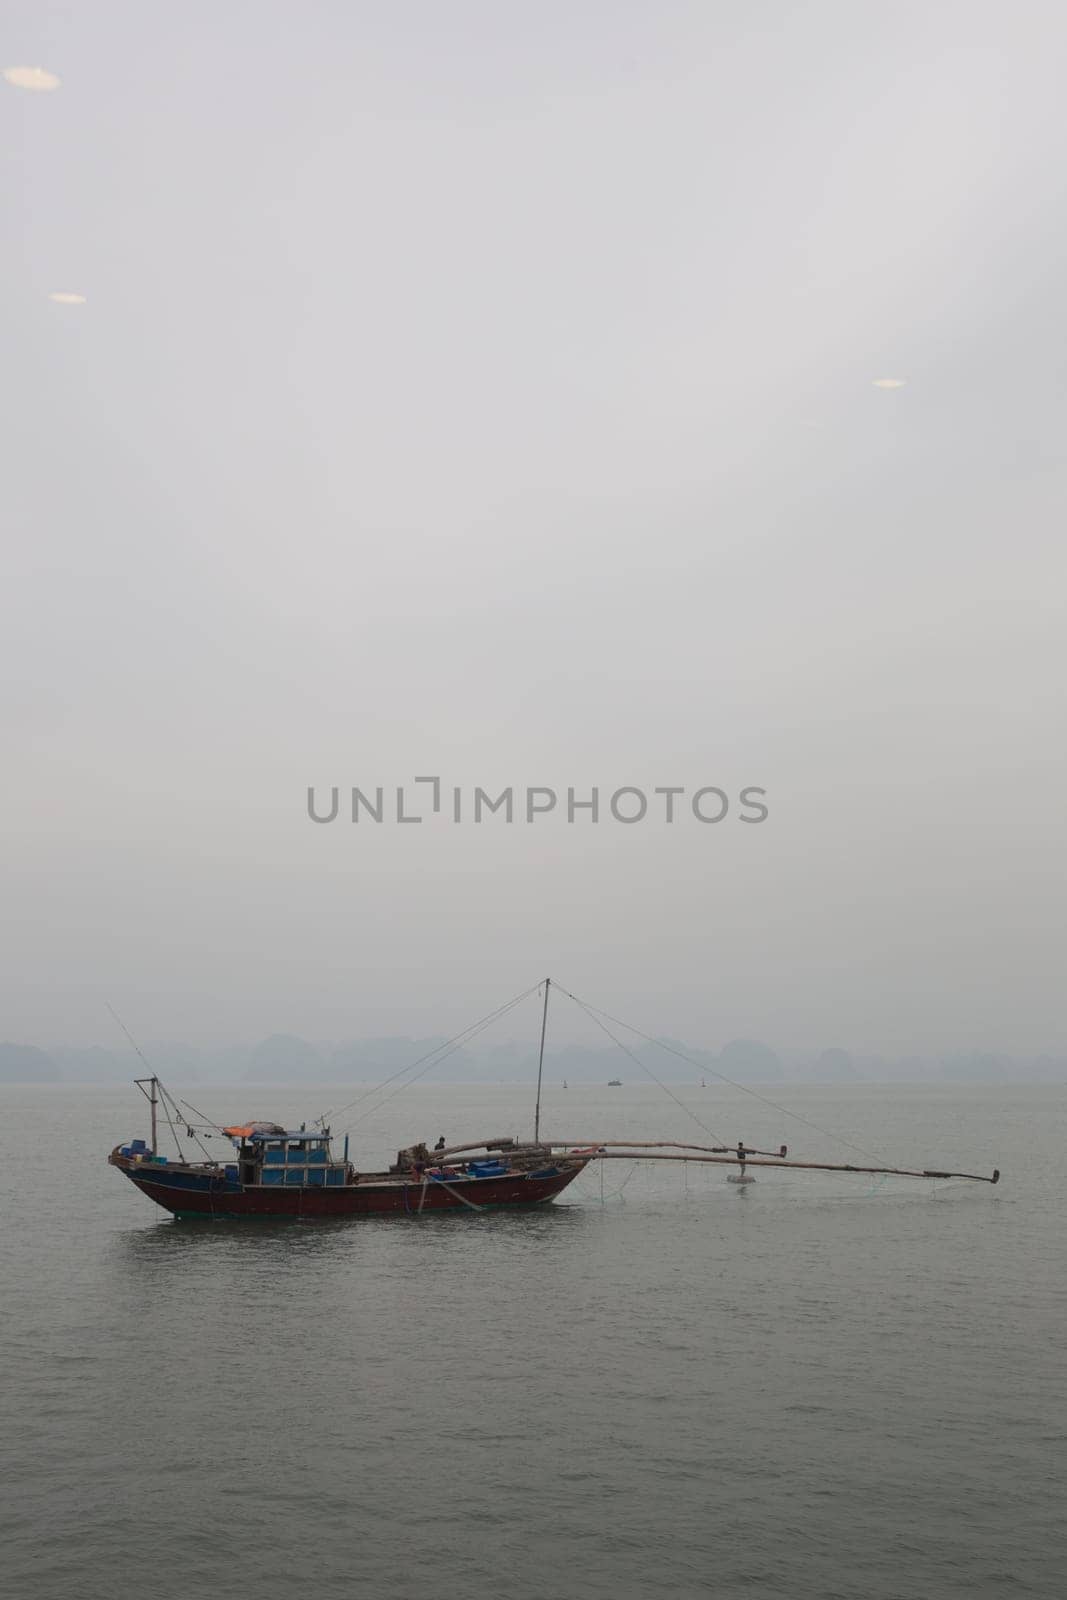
point(286, 1158)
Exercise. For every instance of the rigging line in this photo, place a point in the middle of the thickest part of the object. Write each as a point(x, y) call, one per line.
point(458, 1039)
point(762, 1098)
point(456, 1044)
point(445, 1052)
point(626, 1051)
point(166, 1102)
point(190, 1130)
point(205, 1120)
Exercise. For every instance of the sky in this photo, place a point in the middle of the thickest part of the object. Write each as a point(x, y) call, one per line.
point(500, 392)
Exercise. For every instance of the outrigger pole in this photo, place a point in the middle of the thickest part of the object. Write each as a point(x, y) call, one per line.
point(775, 1161)
point(714, 1155)
point(540, 1066)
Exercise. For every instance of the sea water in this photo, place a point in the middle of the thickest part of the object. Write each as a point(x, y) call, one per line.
point(662, 1385)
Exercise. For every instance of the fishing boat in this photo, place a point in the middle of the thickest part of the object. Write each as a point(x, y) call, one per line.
point(276, 1172)
point(279, 1172)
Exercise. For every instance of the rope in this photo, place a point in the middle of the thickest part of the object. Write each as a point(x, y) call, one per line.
point(605, 1199)
point(827, 1133)
point(458, 1196)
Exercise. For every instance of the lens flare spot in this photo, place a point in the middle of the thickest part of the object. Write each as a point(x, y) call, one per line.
point(33, 78)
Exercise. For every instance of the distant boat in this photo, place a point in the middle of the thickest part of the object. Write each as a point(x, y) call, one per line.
point(614, 1083)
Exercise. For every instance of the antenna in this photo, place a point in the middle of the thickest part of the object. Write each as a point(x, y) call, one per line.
point(540, 1066)
point(133, 1042)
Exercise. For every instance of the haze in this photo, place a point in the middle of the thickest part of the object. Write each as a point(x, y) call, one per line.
point(493, 392)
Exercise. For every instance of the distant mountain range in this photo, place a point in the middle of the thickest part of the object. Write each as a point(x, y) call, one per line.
point(287, 1059)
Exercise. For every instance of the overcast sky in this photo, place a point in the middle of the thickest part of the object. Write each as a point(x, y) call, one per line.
point(490, 390)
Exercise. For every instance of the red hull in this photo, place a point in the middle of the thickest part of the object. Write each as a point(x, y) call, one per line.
point(363, 1199)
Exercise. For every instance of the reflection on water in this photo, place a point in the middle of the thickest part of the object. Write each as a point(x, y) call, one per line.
point(294, 1240)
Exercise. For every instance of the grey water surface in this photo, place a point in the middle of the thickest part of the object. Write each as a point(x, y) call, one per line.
point(663, 1385)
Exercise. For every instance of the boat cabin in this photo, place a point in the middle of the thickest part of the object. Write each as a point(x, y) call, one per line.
point(277, 1156)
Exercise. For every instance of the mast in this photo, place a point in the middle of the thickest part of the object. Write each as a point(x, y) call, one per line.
point(153, 1102)
point(540, 1066)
